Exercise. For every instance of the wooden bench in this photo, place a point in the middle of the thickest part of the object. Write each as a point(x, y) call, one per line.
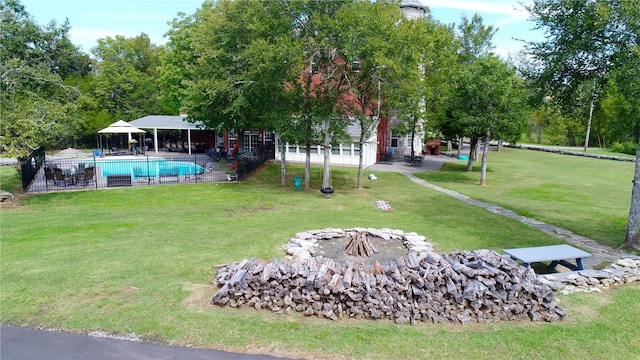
point(118, 180)
point(557, 254)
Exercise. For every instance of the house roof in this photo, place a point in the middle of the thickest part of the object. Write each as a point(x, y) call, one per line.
point(166, 122)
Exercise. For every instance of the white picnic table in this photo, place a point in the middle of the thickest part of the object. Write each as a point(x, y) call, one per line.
point(557, 254)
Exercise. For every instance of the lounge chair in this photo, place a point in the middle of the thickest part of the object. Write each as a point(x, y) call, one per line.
point(87, 176)
point(140, 174)
point(169, 173)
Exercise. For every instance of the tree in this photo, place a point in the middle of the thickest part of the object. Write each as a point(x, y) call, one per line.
point(37, 108)
point(423, 82)
point(489, 102)
point(472, 41)
point(581, 48)
point(368, 35)
point(588, 42)
point(227, 65)
point(125, 77)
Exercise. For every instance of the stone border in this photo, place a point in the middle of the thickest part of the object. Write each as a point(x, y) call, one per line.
point(302, 246)
point(622, 271)
point(573, 153)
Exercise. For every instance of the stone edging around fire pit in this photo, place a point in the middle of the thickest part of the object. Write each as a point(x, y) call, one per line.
point(302, 246)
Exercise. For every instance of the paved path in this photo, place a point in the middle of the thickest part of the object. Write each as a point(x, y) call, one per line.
point(600, 252)
point(17, 343)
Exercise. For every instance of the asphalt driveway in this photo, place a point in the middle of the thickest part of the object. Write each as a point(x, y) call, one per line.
point(17, 343)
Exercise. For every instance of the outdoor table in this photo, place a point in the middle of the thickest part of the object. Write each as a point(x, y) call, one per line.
point(557, 254)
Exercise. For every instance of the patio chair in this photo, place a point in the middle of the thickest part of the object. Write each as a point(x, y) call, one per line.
point(87, 176)
point(80, 170)
point(207, 168)
point(49, 175)
point(58, 175)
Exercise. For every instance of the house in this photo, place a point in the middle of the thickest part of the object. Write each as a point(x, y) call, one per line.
point(345, 154)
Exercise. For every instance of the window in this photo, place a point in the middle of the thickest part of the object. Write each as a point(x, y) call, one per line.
point(250, 141)
point(335, 149)
point(394, 140)
point(355, 65)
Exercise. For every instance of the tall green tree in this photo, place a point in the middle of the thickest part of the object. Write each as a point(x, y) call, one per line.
point(423, 80)
point(473, 40)
point(587, 42)
point(37, 107)
point(583, 43)
point(227, 64)
point(489, 100)
point(126, 72)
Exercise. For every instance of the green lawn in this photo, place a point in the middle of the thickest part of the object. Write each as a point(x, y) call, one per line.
point(590, 197)
point(139, 260)
point(9, 181)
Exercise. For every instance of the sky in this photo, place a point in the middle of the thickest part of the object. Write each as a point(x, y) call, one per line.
point(94, 19)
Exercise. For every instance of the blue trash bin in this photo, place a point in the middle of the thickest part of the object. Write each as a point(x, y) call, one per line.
point(297, 183)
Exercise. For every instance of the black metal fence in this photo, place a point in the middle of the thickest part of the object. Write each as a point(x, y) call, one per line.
point(74, 173)
point(30, 166)
point(249, 162)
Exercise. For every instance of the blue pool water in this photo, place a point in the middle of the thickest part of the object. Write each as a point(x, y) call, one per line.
point(144, 167)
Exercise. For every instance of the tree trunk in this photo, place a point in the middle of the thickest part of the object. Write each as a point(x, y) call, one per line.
point(631, 238)
point(472, 153)
point(477, 151)
point(307, 168)
point(460, 144)
point(500, 145)
point(591, 106)
point(413, 150)
point(449, 146)
point(283, 166)
point(360, 163)
point(326, 176)
point(485, 154)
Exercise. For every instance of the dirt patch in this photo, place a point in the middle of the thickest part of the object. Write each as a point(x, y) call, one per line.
point(387, 250)
point(200, 296)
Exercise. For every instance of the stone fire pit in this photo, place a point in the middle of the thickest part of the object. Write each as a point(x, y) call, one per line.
point(331, 243)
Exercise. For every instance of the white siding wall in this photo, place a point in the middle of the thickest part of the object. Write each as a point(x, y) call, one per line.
point(345, 154)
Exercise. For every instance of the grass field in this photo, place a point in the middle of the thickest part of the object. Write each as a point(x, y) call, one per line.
point(590, 197)
point(139, 260)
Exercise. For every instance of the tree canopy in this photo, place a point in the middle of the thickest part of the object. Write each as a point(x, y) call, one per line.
point(37, 107)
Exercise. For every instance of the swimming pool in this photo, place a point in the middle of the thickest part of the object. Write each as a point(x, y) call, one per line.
point(145, 167)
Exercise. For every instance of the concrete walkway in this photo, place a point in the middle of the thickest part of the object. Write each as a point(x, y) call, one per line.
point(601, 253)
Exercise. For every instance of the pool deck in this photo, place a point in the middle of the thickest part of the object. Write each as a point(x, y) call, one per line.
point(69, 164)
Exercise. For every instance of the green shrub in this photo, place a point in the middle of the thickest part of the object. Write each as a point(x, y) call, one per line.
point(627, 147)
